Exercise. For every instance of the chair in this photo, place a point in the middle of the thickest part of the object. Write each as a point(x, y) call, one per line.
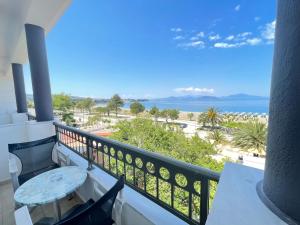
point(35, 157)
point(95, 213)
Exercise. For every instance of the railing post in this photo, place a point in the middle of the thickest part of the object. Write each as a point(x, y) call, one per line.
point(57, 134)
point(89, 153)
point(204, 202)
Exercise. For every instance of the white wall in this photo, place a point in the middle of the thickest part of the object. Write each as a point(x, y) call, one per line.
point(237, 202)
point(7, 94)
point(20, 132)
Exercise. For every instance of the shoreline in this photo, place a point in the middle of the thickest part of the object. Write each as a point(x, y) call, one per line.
point(183, 115)
point(221, 112)
point(237, 107)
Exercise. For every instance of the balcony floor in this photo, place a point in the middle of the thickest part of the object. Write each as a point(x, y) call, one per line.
point(7, 206)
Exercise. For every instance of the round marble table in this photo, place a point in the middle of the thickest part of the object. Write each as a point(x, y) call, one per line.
point(51, 186)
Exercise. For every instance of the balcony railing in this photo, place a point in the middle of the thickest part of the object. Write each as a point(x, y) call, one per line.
point(181, 188)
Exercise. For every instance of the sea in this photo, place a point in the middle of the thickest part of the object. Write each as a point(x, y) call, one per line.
point(249, 106)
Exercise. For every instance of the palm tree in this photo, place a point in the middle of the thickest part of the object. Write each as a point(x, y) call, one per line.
point(213, 116)
point(217, 137)
point(252, 135)
point(190, 116)
point(202, 118)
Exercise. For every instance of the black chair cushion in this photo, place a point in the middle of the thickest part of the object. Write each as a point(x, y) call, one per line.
point(99, 218)
point(77, 209)
point(71, 212)
point(45, 221)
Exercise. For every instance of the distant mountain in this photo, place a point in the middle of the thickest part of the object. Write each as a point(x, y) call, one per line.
point(243, 97)
point(189, 98)
point(240, 97)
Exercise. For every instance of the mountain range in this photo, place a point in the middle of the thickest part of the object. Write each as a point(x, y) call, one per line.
point(237, 97)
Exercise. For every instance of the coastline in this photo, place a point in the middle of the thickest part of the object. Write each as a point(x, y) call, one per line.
point(233, 106)
point(183, 115)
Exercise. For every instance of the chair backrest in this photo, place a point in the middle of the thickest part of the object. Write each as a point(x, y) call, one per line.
point(35, 155)
point(99, 212)
point(63, 159)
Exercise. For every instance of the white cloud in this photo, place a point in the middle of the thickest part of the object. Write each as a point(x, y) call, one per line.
point(178, 37)
point(263, 35)
point(193, 44)
point(214, 37)
point(195, 38)
point(237, 8)
point(244, 34)
point(177, 29)
point(195, 90)
point(253, 41)
point(228, 45)
point(268, 32)
point(250, 41)
point(257, 18)
point(200, 34)
point(196, 44)
point(230, 38)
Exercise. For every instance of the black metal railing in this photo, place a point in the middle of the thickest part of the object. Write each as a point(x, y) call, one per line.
point(181, 188)
point(31, 117)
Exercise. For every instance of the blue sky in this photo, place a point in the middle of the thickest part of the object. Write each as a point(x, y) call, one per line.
point(159, 48)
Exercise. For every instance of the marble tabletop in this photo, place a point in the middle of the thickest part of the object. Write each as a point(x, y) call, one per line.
point(50, 186)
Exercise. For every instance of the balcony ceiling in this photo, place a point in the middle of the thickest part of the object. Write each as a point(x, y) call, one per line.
point(13, 15)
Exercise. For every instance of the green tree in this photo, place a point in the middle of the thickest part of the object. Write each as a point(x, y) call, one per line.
point(190, 116)
point(251, 136)
point(154, 111)
point(62, 102)
point(164, 114)
point(136, 108)
point(88, 104)
point(152, 136)
point(108, 109)
point(155, 137)
point(68, 118)
point(115, 103)
point(73, 105)
point(100, 110)
point(217, 137)
point(202, 119)
point(173, 114)
point(80, 106)
point(213, 116)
